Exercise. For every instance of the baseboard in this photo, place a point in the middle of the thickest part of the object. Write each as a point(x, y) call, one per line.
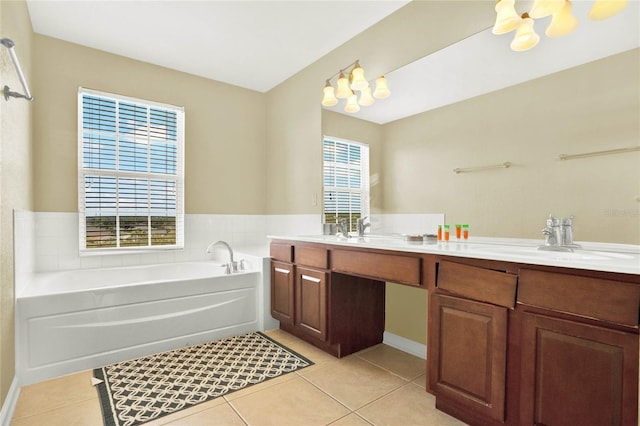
point(10, 403)
point(405, 345)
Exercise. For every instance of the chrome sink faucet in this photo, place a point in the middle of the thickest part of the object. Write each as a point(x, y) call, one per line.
point(232, 266)
point(361, 226)
point(558, 234)
point(343, 228)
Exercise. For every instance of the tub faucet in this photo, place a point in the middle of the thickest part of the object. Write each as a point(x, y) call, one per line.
point(230, 267)
point(362, 226)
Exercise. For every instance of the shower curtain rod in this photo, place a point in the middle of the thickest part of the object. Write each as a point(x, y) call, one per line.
point(9, 44)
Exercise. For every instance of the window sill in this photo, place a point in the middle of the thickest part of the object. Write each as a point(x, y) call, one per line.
point(129, 251)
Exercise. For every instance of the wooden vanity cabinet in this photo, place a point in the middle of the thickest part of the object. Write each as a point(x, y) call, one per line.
point(468, 337)
point(339, 313)
point(282, 282)
point(311, 302)
point(282, 292)
point(579, 350)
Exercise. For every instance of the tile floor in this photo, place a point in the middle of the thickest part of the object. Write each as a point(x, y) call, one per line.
point(377, 386)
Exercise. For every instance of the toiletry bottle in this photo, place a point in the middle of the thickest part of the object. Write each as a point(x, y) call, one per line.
point(458, 231)
point(439, 232)
point(465, 231)
point(446, 232)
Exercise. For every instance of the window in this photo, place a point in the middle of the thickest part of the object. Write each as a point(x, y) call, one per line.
point(130, 173)
point(346, 180)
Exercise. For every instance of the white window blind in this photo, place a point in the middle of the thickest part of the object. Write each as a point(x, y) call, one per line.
point(130, 174)
point(346, 180)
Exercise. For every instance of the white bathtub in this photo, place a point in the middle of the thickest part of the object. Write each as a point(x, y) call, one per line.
point(76, 320)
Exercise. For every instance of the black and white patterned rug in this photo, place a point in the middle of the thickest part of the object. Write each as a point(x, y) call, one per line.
point(143, 389)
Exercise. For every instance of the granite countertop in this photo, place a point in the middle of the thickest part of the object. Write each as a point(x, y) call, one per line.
point(608, 257)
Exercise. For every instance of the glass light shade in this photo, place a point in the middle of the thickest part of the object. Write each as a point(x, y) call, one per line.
point(358, 82)
point(542, 8)
point(603, 9)
point(526, 37)
point(329, 99)
point(352, 104)
point(506, 17)
point(382, 91)
point(343, 91)
point(365, 97)
point(562, 22)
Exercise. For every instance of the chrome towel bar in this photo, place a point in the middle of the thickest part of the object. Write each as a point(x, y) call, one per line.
point(9, 44)
point(504, 165)
point(597, 153)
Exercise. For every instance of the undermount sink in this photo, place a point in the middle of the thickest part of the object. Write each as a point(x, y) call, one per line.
point(534, 252)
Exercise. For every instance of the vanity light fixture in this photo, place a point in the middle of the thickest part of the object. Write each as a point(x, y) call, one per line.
point(562, 20)
point(526, 37)
point(348, 83)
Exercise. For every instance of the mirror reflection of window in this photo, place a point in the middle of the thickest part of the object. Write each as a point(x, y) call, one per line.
point(345, 180)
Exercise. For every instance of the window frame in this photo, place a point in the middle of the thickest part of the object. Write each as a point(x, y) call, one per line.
point(125, 174)
point(365, 187)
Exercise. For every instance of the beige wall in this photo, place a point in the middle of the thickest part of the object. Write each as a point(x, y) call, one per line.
point(589, 108)
point(224, 127)
point(406, 312)
point(15, 170)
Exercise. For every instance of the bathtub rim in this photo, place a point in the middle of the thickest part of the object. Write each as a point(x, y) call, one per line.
point(36, 280)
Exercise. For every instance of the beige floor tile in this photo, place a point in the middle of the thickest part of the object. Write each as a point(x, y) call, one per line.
point(351, 420)
point(85, 413)
point(398, 362)
point(409, 405)
point(260, 386)
point(295, 402)
point(55, 393)
point(305, 349)
point(353, 381)
point(222, 415)
point(193, 410)
point(421, 381)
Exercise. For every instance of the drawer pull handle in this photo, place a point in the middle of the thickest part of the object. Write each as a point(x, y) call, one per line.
point(312, 279)
point(284, 271)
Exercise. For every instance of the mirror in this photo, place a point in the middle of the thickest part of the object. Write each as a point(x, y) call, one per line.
point(524, 108)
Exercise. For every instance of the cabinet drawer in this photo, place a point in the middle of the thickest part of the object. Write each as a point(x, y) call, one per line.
point(485, 285)
point(316, 257)
point(606, 300)
point(382, 267)
point(281, 251)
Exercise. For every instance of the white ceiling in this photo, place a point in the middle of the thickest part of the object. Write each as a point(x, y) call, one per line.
point(252, 44)
point(259, 44)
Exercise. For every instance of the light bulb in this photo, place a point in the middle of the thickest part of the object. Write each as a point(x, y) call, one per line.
point(329, 99)
point(526, 37)
point(506, 17)
point(562, 22)
point(603, 9)
point(358, 82)
point(352, 104)
point(542, 8)
point(365, 97)
point(343, 91)
point(382, 91)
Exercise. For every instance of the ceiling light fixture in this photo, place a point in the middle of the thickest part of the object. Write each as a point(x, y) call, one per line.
point(562, 20)
point(350, 83)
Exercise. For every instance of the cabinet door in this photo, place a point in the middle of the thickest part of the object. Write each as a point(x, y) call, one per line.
point(577, 374)
point(311, 302)
point(282, 296)
point(468, 356)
